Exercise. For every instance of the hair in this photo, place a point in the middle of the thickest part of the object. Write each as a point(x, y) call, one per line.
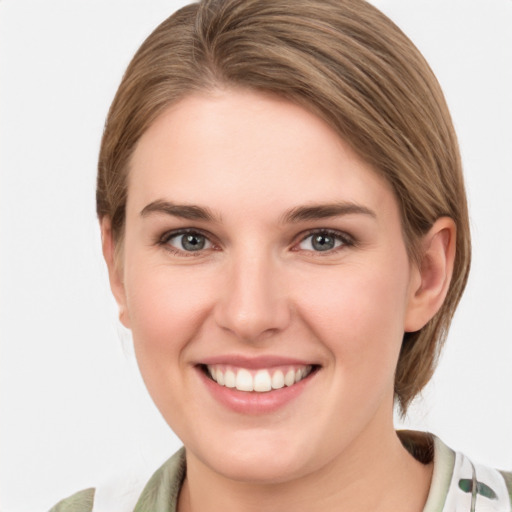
point(346, 62)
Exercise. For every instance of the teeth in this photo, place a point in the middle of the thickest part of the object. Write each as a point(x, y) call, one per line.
point(278, 380)
point(289, 378)
point(244, 380)
point(230, 379)
point(261, 381)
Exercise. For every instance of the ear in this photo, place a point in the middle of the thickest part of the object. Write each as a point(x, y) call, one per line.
point(115, 271)
point(431, 279)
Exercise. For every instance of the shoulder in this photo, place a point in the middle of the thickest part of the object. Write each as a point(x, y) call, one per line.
point(507, 476)
point(479, 487)
point(460, 484)
point(162, 490)
point(159, 495)
point(82, 501)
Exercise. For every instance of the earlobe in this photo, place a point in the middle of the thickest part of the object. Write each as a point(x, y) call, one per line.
point(115, 273)
point(433, 275)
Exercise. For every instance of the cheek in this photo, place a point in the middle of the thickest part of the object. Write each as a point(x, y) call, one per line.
point(166, 309)
point(359, 314)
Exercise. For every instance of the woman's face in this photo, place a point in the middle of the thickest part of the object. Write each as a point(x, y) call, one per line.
point(261, 250)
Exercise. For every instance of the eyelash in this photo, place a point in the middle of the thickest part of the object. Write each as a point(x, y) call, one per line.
point(166, 237)
point(345, 239)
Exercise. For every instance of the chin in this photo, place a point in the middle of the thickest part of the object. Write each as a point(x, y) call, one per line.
point(263, 459)
point(263, 470)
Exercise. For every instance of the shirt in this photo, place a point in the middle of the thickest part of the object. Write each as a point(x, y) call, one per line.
point(458, 485)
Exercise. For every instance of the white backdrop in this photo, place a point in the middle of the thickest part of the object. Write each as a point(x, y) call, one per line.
point(73, 410)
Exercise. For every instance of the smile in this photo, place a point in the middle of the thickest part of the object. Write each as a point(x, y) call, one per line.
point(259, 381)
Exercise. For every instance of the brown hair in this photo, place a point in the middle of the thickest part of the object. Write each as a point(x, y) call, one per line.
point(341, 59)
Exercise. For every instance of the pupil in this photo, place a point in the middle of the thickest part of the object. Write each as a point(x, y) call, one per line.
point(323, 242)
point(193, 242)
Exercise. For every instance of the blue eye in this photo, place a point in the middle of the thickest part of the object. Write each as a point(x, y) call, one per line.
point(188, 242)
point(322, 241)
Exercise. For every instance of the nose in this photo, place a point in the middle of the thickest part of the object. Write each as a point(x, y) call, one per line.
point(253, 305)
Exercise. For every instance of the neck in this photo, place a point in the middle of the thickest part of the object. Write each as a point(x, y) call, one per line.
point(375, 473)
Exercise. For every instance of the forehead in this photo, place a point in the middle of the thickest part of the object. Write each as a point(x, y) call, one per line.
point(245, 149)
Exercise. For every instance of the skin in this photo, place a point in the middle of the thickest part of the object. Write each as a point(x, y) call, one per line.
point(260, 287)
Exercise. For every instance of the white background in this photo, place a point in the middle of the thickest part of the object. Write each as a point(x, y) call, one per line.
point(73, 410)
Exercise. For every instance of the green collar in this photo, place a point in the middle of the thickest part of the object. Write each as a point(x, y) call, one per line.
point(161, 492)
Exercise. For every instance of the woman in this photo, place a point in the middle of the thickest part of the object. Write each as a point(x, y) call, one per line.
point(285, 225)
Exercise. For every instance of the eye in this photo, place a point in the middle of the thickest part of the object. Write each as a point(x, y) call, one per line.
point(189, 241)
point(322, 241)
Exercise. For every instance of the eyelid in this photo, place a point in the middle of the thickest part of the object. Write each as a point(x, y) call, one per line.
point(165, 237)
point(346, 239)
point(163, 240)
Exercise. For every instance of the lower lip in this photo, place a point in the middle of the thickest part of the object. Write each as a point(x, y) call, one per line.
point(251, 402)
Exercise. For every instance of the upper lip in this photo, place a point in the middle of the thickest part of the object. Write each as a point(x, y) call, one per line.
point(254, 363)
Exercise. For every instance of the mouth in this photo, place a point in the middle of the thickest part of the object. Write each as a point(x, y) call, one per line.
point(262, 380)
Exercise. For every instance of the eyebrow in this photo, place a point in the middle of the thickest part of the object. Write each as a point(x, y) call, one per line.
point(324, 211)
point(184, 211)
point(295, 215)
